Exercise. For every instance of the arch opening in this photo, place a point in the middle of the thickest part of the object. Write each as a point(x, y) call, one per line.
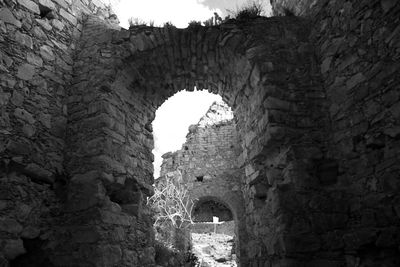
point(197, 123)
point(206, 157)
point(213, 234)
point(207, 209)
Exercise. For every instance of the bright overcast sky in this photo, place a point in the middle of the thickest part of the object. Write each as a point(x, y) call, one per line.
point(179, 12)
point(173, 119)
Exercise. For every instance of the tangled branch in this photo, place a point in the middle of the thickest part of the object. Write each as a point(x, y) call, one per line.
point(171, 204)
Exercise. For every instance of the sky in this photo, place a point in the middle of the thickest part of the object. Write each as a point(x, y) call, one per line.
point(173, 119)
point(179, 12)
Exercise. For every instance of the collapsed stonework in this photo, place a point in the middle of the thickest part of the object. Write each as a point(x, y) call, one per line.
point(316, 104)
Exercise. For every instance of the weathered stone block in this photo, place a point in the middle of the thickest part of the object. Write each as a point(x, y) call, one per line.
point(4, 98)
point(17, 98)
point(48, 4)
point(39, 173)
point(34, 59)
point(7, 16)
point(30, 5)
point(13, 248)
point(115, 218)
point(85, 193)
point(355, 80)
point(26, 72)
point(19, 147)
point(57, 24)
point(28, 130)
point(326, 64)
point(24, 115)
point(47, 53)
point(23, 39)
point(38, 31)
point(30, 232)
point(68, 16)
point(62, 3)
point(10, 226)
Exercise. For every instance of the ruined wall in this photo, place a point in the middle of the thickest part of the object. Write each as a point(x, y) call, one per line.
point(263, 69)
point(316, 109)
point(208, 158)
point(226, 228)
point(38, 44)
point(357, 46)
point(359, 50)
point(207, 209)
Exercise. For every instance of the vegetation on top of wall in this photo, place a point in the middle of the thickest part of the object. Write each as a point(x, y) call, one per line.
point(169, 24)
point(194, 24)
point(248, 11)
point(133, 22)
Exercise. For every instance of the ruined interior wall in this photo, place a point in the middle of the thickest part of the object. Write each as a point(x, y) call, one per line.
point(208, 157)
point(357, 46)
point(38, 43)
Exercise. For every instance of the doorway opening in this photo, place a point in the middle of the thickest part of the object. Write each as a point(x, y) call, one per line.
point(202, 154)
point(213, 233)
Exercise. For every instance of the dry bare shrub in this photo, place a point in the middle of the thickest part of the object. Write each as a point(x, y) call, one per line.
point(172, 209)
point(250, 10)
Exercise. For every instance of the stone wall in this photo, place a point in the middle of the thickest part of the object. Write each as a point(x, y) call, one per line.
point(357, 46)
point(226, 228)
point(205, 210)
point(39, 41)
point(359, 50)
point(208, 158)
point(262, 68)
point(28, 215)
point(315, 100)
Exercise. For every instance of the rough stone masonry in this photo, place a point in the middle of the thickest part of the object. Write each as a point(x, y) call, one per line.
point(315, 95)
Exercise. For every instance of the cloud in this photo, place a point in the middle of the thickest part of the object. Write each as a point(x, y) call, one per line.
point(179, 12)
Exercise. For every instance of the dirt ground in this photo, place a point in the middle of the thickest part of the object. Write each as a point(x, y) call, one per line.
point(213, 250)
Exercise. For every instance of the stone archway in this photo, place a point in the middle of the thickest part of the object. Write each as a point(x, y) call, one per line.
point(123, 76)
point(234, 202)
point(208, 207)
